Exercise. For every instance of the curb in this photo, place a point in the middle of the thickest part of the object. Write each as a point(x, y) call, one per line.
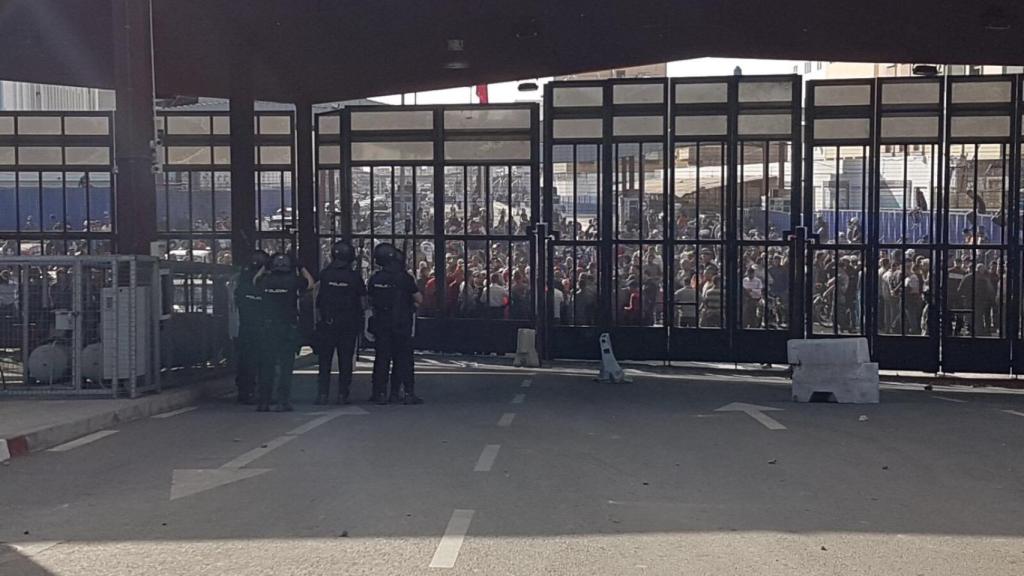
point(42, 439)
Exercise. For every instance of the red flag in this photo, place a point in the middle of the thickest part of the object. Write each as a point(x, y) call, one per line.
point(481, 93)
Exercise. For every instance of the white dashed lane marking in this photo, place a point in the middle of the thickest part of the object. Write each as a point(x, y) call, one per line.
point(519, 399)
point(506, 419)
point(487, 458)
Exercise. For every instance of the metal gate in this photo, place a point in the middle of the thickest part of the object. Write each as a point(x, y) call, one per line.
point(673, 236)
point(457, 189)
point(736, 205)
point(910, 184)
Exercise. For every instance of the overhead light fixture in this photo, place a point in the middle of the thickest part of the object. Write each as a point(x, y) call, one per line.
point(456, 45)
point(528, 87)
point(928, 70)
point(456, 65)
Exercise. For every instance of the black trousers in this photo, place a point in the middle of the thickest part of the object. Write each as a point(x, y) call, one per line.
point(344, 343)
point(393, 349)
point(277, 361)
point(247, 359)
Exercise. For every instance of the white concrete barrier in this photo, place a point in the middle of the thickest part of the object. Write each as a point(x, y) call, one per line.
point(839, 368)
point(829, 351)
point(526, 349)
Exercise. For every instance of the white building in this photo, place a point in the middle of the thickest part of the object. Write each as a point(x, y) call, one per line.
point(30, 96)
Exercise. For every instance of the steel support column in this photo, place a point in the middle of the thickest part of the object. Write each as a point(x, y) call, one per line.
point(135, 201)
point(243, 173)
point(305, 186)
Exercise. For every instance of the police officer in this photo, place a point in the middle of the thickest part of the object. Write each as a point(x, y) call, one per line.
point(280, 286)
point(393, 298)
point(340, 300)
point(248, 301)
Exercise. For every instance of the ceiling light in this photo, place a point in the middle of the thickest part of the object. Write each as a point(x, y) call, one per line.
point(456, 65)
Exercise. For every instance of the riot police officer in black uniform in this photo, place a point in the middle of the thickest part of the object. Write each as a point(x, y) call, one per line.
point(340, 300)
point(248, 300)
point(393, 298)
point(281, 285)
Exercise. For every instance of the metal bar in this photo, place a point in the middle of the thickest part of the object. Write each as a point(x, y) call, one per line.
point(304, 189)
point(77, 340)
point(243, 166)
point(26, 303)
point(133, 353)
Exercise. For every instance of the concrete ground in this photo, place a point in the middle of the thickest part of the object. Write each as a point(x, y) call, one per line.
point(523, 472)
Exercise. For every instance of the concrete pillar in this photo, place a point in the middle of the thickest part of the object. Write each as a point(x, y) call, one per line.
point(135, 201)
point(305, 186)
point(243, 173)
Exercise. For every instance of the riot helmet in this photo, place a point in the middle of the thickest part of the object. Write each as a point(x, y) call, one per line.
point(281, 263)
point(343, 253)
point(398, 261)
point(384, 254)
point(259, 259)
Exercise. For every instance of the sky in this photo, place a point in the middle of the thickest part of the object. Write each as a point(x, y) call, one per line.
point(505, 92)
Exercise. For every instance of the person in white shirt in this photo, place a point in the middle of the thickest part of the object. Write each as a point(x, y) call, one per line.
point(497, 297)
point(753, 289)
point(558, 300)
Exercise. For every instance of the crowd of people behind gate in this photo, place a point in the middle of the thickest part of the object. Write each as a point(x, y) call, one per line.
point(698, 286)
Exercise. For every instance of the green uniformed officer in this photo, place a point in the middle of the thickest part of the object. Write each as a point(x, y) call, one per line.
point(247, 347)
point(280, 286)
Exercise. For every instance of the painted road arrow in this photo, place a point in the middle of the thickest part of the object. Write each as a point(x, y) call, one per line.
point(189, 482)
point(756, 412)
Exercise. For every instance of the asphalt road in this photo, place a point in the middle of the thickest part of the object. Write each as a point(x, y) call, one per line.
point(582, 478)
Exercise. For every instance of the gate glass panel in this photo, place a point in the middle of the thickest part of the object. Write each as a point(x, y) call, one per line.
point(978, 168)
point(838, 200)
point(455, 188)
point(907, 225)
point(575, 206)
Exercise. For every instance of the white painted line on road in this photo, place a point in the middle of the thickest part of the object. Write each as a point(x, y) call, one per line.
point(487, 458)
point(506, 419)
point(5, 452)
point(756, 412)
point(527, 383)
point(948, 399)
point(176, 412)
point(451, 543)
point(189, 482)
point(257, 453)
point(83, 441)
point(1014, 412)
point(315, 423)
point(519, 399)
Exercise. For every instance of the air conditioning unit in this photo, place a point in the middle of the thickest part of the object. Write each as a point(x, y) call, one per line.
point(126, 325)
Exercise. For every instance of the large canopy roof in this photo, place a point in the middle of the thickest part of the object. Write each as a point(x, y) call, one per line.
point(326, 50)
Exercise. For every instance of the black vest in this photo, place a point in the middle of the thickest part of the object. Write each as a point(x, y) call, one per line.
point(338, 299)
